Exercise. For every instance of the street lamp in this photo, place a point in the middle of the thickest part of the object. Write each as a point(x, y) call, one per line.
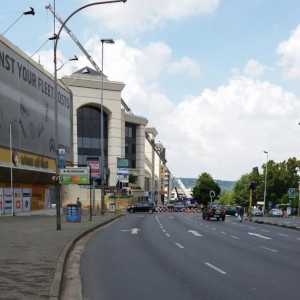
point(70, 59)
point(266, 175)
point(11, 171)
point(29, 11)
point(58, 221)
point(107, 41)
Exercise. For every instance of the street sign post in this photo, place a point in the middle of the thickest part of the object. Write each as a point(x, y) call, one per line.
point(74, 175)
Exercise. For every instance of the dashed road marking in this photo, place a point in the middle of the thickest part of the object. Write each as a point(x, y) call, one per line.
point(178, 245)
point(268, 249)
point(215, 268)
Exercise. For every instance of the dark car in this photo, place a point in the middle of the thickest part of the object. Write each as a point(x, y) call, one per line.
point(230, 210)
point(214, 210)
point(256, 212)
point(142, 207)
point(179, 206)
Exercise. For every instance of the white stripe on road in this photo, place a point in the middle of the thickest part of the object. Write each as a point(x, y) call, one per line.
point(283, 234)
point(268, 249)
point(223, 232)
point(167, 235)
point(235, 237)
point(177, 244)
point(215, 268)
point(265, 230)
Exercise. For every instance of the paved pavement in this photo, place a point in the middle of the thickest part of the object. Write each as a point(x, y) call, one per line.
point(33, 253)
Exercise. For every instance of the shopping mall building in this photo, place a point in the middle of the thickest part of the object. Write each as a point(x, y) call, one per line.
point(29, 141)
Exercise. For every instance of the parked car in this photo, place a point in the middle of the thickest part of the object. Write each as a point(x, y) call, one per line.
point(141, 207)
point(275, 212)
point(179, 206)
point(256, 212)
point(214, 210)
point(230, 210)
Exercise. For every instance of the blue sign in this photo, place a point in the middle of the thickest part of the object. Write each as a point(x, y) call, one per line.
point(292, 192)
point(61, 158)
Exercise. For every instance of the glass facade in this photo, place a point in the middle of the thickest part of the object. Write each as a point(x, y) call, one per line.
point(89, 132)
point(130, 144)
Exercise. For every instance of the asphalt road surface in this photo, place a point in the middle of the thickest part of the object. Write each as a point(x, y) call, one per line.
point(175, 256)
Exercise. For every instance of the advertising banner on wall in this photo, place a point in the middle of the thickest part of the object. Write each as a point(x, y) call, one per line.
point(7, 199)
point(28, 105)
point(94, 162)
point(26, 199)
point(122, 170)
point(18, 200)
point(1, 202)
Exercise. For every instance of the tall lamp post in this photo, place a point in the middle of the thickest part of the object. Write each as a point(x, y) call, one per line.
point(266, 176)
point(11, 171)
point(58, 221)
point(107, 41)
point(29, 11)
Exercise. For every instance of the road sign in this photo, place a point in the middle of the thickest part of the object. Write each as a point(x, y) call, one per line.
point(292, 193)
point(74, 176)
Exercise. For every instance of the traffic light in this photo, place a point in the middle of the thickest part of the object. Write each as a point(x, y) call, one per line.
point(252, 185)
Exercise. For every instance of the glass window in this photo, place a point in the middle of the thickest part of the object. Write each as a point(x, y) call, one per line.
point(130, 144)
point(89, 132)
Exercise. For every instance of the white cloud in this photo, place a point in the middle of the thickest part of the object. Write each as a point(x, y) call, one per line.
point(290, 55)
point(254, 69)
point(139, 15)
point(234, 123)
point(186, 65)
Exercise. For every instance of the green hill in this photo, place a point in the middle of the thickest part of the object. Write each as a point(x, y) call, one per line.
point(224, 184)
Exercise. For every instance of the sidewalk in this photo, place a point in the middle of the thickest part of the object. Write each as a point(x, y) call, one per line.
point(33, 253)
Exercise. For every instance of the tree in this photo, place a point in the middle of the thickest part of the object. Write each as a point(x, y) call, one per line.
point(241, 192)
point(203, 186)
point(228, 198)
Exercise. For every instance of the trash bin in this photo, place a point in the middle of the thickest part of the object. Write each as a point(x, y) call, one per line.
point(112, 208)
point(73, 213)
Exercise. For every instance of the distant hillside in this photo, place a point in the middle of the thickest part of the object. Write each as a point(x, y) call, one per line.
point(224, 185)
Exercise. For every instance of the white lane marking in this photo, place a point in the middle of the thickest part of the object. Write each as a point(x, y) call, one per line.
point(223, 232)
point(206, 226)
point(265, 230)
point(195, 233)
point(260, 236)
point(177, 244)
point(268, 249)
point(283, 234)
point(133, 230)
point(215, 268)
point(235, 237)
point(252, 227)
point(214, 229)
point(167, 235)
point(164, 230)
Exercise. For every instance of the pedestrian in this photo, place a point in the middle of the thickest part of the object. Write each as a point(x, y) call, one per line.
point(241, 213)
point(79, 203)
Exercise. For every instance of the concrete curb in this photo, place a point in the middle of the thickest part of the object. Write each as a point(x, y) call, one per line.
point(56, 286)
point(277, 224)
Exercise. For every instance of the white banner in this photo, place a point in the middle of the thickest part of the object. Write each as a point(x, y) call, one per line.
point(26, 196)
point(1, 202)
point(7, 198)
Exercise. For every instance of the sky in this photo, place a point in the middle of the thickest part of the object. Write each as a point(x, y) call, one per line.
point(218, 79)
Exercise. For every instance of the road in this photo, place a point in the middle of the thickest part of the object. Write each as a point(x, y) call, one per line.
point(180, 256)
